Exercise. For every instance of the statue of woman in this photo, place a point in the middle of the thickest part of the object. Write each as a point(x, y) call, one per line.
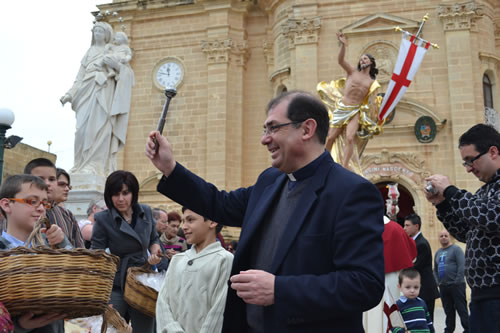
point(100, 129)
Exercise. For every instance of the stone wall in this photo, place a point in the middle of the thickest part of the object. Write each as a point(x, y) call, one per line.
point(239, 54)
point(15, 159)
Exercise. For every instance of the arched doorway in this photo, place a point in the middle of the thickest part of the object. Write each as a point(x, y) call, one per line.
point(405, 201)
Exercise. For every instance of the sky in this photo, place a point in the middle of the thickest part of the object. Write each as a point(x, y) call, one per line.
point(41, 46)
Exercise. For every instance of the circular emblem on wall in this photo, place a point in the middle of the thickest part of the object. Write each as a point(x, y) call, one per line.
point(425, 129)
point(385, 55)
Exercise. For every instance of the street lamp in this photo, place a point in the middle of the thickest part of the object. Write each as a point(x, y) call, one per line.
point(6, 119)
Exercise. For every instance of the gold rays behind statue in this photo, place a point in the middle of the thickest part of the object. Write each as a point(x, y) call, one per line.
point(331, 94)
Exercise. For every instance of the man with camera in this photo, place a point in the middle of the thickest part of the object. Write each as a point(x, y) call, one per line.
point(474, 219)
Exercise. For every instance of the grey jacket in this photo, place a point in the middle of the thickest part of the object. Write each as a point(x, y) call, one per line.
point(130, 244)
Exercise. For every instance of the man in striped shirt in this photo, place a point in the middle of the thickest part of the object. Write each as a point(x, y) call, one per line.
point(45, 169)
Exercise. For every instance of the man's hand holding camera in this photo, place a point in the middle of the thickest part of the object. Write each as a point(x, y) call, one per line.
point(439, 183)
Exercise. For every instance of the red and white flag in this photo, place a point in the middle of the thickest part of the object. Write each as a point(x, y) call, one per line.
point(410, 56)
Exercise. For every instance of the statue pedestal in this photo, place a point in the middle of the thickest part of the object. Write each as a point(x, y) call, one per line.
point(85, 188)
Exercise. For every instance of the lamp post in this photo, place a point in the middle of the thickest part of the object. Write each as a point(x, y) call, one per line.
point(6, 119)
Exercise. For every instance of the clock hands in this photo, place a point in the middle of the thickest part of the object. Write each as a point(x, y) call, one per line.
point(168, 74)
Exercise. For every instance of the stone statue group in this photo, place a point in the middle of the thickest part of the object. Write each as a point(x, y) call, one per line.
point(100, 97)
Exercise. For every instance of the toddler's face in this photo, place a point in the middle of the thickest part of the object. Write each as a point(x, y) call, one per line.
point(410, 287)
point(119, 39)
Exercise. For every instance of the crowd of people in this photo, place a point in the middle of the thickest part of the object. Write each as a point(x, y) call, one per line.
point(273, 274)
point(315, 247)
point(133, 231)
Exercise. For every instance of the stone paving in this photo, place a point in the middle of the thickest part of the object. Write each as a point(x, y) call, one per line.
point(439, 319)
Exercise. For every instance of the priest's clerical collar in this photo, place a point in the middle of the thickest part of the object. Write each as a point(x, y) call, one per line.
point(308, 170)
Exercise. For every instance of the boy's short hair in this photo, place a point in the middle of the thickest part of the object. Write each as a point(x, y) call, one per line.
point(12, 186)
point(410, 273)
point(186, 208)
point(38, 162)
point(218, 228)
point(174, 216)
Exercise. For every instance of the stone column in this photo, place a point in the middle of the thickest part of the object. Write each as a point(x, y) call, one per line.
point(226, 62)
point(217, 52)
point(303, 40)
point(458, 21)
point(240, 53)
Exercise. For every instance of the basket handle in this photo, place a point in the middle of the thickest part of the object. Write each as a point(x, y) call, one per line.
point(36, 234)
point(147, 266)
point(104, 326)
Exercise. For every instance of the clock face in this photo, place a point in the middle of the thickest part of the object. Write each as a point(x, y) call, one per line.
point(169, 74)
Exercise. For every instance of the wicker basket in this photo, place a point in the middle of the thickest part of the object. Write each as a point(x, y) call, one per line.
point(110, 319)
point(137, 295)
point(113, 318)
point(75, 282)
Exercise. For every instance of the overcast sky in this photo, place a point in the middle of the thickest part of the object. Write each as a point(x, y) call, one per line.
point(41, 45)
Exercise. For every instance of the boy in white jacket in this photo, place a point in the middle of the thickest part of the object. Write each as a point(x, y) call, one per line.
point(193, 296)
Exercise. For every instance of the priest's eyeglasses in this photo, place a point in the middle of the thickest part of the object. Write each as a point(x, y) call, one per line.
point(32, 202)
point(470, 163)
point(269, 130)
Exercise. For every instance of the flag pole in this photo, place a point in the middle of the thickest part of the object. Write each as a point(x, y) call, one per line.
point(424, 19)
point(434, 45)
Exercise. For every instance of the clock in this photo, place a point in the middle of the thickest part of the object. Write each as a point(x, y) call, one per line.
point(168, 73)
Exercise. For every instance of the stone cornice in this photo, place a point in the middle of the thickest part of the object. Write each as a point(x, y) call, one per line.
point(379, 22)
point(489, 61)
point(217, 51)
point(301, 31)
point(220, 51)
point(459, 16)
point(241, 53)
point(280, 73)
point(489, 57)
point(144, 4)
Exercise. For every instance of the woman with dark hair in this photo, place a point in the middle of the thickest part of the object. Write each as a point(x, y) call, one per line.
point(128, 230)
point(63, 187)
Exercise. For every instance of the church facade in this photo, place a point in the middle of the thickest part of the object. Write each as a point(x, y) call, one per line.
point(229, 58)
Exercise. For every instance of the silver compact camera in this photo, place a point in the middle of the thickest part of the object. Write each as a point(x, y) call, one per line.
point(431, 189)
